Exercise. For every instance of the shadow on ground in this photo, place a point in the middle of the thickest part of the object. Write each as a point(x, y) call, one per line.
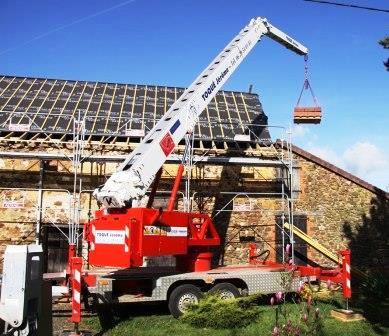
point(111, 315)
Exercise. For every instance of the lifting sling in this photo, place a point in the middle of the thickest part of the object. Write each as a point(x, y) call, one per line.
point(307, 114)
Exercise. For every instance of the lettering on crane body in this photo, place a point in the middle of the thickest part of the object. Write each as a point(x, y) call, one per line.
point(222, 75)
point(292, 41)
point(112, 237)
point(162, 230)
point(213, 85)
point(245, 47)
point(219, 78)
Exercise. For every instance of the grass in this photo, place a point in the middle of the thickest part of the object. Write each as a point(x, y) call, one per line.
point(154, 320)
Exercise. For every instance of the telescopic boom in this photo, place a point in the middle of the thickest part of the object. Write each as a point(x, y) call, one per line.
point(134, 176)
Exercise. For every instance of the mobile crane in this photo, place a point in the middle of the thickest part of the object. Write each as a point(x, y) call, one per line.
point(123, 233)
point(135, 175)
point(149, 232)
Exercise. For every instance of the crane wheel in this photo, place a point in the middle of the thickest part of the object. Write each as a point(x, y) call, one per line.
point(226, 290)
point(182, 297)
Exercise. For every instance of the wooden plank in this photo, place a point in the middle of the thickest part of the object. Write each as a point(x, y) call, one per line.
point(2, 77)
point(21, 99)
point(227, 108)
point(155, 106)
point(346, 315)
point(110, 109)
point(143, 110)
point(129, 124)
point(36, 94)
point(121, 108)
point(98, 109)
point(12, 95)
point(245, 107)
point(238, 112)
point(5, 89)
point(64, 106)
point(55, 101)
point(40, 107)
point(75, 109)
point(218, 114)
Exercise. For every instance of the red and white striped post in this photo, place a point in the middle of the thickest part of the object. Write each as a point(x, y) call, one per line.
point(93, 237)
point(127, 238)
point(76, 266)
point(346, 273)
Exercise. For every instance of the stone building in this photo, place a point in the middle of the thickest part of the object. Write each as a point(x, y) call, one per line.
point(245, 180)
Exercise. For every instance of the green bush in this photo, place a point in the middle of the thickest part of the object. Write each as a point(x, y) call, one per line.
point(376, 287)
point(214, 312)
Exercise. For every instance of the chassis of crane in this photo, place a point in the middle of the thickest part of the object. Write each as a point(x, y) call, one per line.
point(158, 283)
point(151, 284)
point(179, 289)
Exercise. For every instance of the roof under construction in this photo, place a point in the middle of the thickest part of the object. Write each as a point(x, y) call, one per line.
point(36, 108)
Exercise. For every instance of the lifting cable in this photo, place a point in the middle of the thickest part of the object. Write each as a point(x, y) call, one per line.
point(307, 84)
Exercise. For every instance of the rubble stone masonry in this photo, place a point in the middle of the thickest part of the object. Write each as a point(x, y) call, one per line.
point(341, 210)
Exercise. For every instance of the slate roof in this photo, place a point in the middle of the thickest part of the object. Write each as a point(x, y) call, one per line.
point(40, 105)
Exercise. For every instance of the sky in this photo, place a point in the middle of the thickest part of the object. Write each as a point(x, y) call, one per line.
point(162, 42)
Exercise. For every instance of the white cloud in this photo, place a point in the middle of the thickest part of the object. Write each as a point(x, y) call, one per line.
point(368, 162)
point(300, 131)
point(362, 159)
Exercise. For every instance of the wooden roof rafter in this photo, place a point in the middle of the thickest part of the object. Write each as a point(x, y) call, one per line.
point(53, 104)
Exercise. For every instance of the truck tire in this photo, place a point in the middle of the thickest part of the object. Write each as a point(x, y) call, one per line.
point(226, 290)
point(183, 296)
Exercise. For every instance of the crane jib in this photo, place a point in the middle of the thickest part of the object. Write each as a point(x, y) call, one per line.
point(213, 84)
point(219, 78)
point(167, 144)
point(175, 126)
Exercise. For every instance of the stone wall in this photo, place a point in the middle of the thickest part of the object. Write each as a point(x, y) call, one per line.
point(339, 212)
point(342, 213)
point(238, 222)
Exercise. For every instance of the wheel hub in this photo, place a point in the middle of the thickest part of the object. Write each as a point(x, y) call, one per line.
point(186, 300)
point(225, 294)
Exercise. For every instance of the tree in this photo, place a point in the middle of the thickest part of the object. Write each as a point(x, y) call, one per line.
point(385, 43)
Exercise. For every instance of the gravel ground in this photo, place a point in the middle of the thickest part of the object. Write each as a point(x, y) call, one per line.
point(61, 319)
point(109, 316)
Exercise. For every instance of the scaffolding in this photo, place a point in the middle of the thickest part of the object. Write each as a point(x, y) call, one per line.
point(241, 149)
point(25, 123)
point(281, 152)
